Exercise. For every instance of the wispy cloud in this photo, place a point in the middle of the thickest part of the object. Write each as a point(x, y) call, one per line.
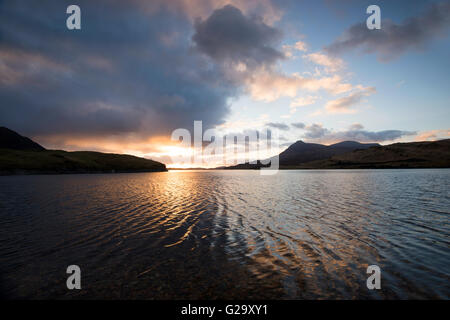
point(298, 125)
point(331, 64)
point(270, 86)
point(345, 104)
point(289, 50)
point(278, 125)
point(432, 135)
point(302, 101)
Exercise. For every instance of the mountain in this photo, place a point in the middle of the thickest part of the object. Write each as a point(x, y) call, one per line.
point(21, 155)
point(302, 152)
point(12, 140)
point(426, 154)
point(355, 155)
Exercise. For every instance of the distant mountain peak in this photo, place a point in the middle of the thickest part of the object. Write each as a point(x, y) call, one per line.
point(301, 152)
point(347, 142)
point(10, 139)
point(351, 144)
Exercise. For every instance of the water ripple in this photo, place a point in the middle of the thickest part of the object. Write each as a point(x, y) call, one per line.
point(227, 234)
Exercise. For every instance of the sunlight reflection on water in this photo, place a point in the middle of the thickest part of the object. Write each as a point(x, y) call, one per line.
point(227, 234)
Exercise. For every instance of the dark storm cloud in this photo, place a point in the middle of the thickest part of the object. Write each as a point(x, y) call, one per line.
point(228, 35)
point(278, 125)
point(394, 39)
point(126, 70)
point(317, 132)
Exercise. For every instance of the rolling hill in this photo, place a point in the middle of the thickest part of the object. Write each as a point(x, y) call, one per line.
point(301, 152)
point(21, 155)
point(426, 154)
point(355, 155)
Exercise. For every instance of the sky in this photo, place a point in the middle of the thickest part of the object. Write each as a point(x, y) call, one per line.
point(138, 70)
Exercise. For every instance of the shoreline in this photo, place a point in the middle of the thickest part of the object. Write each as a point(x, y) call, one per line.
point(50, 173)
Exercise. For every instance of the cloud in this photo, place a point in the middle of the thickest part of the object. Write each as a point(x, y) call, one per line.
point(298, 125)
point(356, 126)
point(194, 9)
point(334, 84)
point(246, 49)
point(130, 70)
point(301, 46)
point(302, 101)
point(344, 104)
point(16, 66)
point(318, 133)
point(269, 86)
point(433, 135)
point(331, 64)
point(231, 37)
point(394, 39)
point(315, 131)
point(298, 46)
point(278, 125)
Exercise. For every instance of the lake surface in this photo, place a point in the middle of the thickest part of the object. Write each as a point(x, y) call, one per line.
point(227, 234)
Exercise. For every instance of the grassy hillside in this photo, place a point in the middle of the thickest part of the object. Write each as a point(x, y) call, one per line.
point(302, 152)
point(21, 155)
point(56, 161)
point(435, 154)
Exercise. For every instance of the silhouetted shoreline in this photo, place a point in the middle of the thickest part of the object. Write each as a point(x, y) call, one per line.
point(410, 155)
point(22, 156)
